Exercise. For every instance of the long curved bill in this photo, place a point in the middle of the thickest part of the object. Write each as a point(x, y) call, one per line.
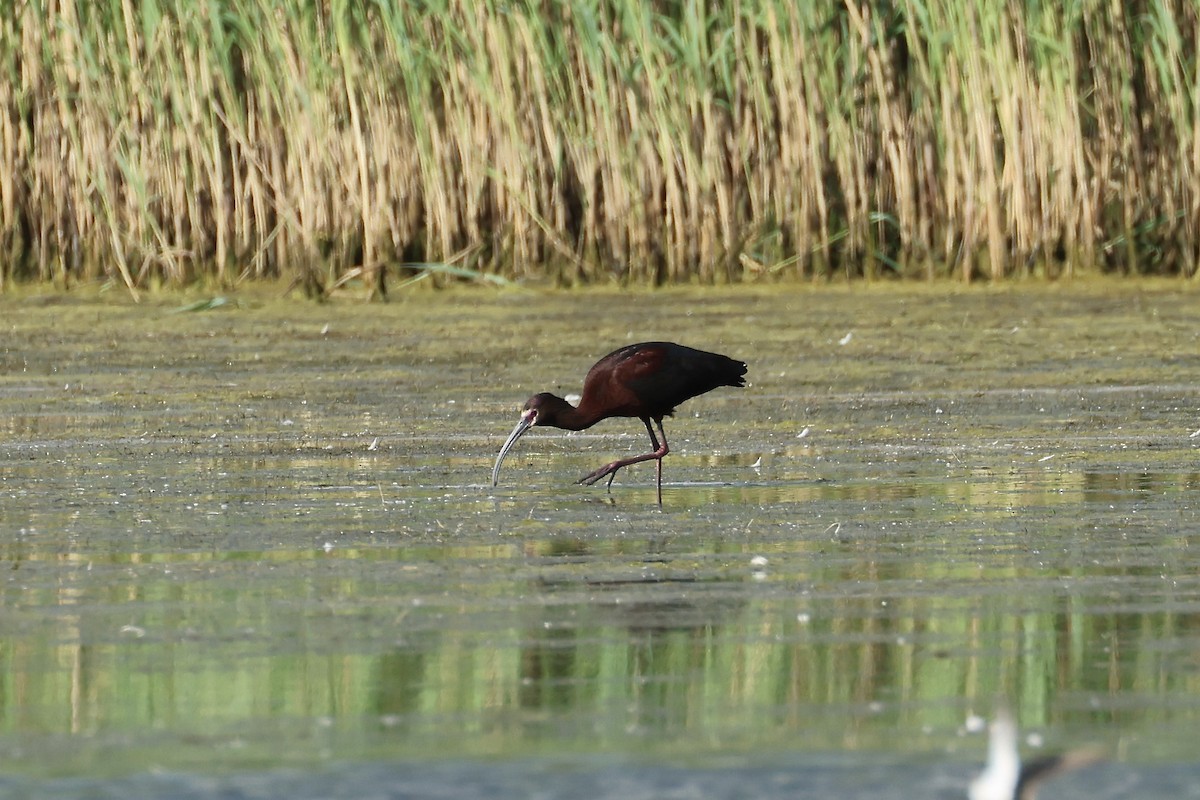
point(524, 424)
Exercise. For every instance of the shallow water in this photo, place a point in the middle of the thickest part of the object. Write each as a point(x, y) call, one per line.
point(254, 552)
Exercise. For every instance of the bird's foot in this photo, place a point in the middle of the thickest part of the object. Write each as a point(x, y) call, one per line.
point(608, 469)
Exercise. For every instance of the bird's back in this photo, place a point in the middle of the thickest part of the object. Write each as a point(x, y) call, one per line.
point(650, 379)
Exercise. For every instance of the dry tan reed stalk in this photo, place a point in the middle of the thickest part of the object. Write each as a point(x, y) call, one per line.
point(596, 140)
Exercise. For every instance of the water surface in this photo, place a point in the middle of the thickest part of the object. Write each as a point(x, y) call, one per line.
point(254, 551)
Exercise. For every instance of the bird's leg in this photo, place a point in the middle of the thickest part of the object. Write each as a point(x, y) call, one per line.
point(649, 430)
point(658, 463)
point(610, 470)
point(654, 444)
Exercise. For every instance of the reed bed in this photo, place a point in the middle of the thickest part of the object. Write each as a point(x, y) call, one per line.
point(595, 140)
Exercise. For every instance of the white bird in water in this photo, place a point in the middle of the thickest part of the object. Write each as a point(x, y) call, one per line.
point(1004, 777)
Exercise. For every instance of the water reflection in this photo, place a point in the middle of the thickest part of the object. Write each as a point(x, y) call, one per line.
point(669, 643)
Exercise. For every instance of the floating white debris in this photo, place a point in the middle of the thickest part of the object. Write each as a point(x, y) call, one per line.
point(758, 561)
point(804, 432)
point(845, 340)
point(374, 445)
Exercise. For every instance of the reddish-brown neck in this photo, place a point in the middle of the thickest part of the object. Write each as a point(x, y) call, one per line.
point(558, 413)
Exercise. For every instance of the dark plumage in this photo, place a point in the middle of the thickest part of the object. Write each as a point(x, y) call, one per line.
point(646, 381)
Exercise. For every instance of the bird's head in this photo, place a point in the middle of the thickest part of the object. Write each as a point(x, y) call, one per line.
point(539, 410)
point(543, 407)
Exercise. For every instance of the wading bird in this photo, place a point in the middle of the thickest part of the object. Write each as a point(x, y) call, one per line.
point(644, 380)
